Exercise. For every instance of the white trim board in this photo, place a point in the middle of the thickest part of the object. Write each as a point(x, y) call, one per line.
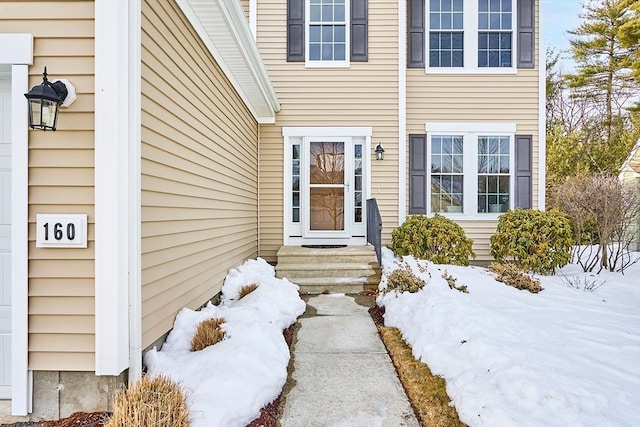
point(111, 188)
point(18, 52)
point(327, 131)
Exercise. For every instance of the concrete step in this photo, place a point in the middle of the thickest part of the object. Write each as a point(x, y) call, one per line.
point(323, 285)
point(333, 269)
point(350, 269)
point(349, 254)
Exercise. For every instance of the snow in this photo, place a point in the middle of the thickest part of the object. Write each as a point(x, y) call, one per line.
point(562, 357)
point(228, 383)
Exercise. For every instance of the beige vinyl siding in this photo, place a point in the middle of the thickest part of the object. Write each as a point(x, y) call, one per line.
point(246, 8)
point(365, 94)
point(61, 281)
point(478, 98)
point(199, 171)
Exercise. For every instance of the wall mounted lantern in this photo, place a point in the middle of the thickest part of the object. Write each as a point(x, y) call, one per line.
point(379, 152)
point(46, 99)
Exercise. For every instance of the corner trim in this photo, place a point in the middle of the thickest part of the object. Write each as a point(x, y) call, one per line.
point(19, 54)
point(402, 111)
point(542, 117)
point(111, 188)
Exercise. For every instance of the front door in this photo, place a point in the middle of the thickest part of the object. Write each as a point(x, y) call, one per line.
point(325, 201)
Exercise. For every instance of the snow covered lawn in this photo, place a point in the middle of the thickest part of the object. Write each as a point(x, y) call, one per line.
point(228, 383)
point(563, 357)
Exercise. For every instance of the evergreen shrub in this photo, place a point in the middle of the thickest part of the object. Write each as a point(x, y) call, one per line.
point(437, 239)
point(536, 241)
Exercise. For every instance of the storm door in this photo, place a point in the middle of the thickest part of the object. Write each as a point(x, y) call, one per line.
point(326, 197)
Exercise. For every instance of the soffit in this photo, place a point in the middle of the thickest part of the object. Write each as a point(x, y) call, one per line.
point(223, 28)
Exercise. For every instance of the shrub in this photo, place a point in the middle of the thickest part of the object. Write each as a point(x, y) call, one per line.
point(537, 241)
point(150, 401)
point(246, 290)
point(437, 239)
point(402, 279)
point(511, 275)
point(603, 211)
point(208, 333)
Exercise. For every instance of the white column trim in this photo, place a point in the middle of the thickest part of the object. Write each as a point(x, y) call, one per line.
point(135, 202)
point(542, 117)
point(18, 52)
point(402, 111)
point(111, 187)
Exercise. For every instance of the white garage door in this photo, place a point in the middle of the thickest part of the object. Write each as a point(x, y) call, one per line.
point(5, 237)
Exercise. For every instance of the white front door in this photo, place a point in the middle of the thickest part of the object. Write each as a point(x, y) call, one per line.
point(5, 237)
point(325, 190)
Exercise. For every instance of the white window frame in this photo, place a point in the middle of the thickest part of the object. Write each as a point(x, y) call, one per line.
point(347, 48)
point(470, 43)
point(470, 133)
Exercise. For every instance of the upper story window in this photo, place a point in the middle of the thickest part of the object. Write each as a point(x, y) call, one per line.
point(446, 33)
point(327, 31)
point(495, 33)
point(471, 36)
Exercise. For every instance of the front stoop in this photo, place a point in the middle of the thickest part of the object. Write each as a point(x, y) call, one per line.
point(348, 270)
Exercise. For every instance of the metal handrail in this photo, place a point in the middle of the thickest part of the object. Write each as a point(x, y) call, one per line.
point(374, 227)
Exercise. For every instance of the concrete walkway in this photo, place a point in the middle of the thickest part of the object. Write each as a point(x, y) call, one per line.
point(342, 375)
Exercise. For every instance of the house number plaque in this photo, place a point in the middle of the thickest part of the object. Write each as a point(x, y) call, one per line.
point(61, 231)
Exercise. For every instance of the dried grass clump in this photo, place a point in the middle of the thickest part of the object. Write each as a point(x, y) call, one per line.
point(427, 392)
point(246, 290)
point(453, 283)
point(208, 333)
point(511, 275)
point(151, 401)
point(402, 279)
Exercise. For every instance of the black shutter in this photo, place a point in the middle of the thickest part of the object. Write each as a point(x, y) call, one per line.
point(415, 33)
point(524, 172)
point(526, 34)
point(359, 31)
point(418, 174)
point(295, 31)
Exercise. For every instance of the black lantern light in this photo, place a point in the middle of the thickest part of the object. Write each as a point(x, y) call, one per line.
point(44, 102)
point(379, 152)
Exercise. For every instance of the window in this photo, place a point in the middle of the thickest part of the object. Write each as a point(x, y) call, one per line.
point(494, 168)
point(494, 37)
point(327, 32)
point(446, 35)
point(470, 168)
point(467, 35)
point(447, 173)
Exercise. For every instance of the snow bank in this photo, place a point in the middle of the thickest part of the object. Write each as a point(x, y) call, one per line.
point(561, 357)
point(227, 384)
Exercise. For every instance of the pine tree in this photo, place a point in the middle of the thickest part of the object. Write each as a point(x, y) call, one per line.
point(603, 62)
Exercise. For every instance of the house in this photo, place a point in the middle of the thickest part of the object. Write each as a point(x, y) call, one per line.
point(206, 132)
point(630, 173)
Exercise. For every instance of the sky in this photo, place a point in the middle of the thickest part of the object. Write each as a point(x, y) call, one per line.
point(558, 16)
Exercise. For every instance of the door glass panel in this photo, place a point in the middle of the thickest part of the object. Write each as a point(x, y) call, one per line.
point(326, 185)
point(326, 163)
point(295, 183)
point(357, 181)
point(327, 208)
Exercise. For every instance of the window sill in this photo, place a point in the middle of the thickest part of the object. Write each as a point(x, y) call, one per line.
point(469, 70)
point(326, 64)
